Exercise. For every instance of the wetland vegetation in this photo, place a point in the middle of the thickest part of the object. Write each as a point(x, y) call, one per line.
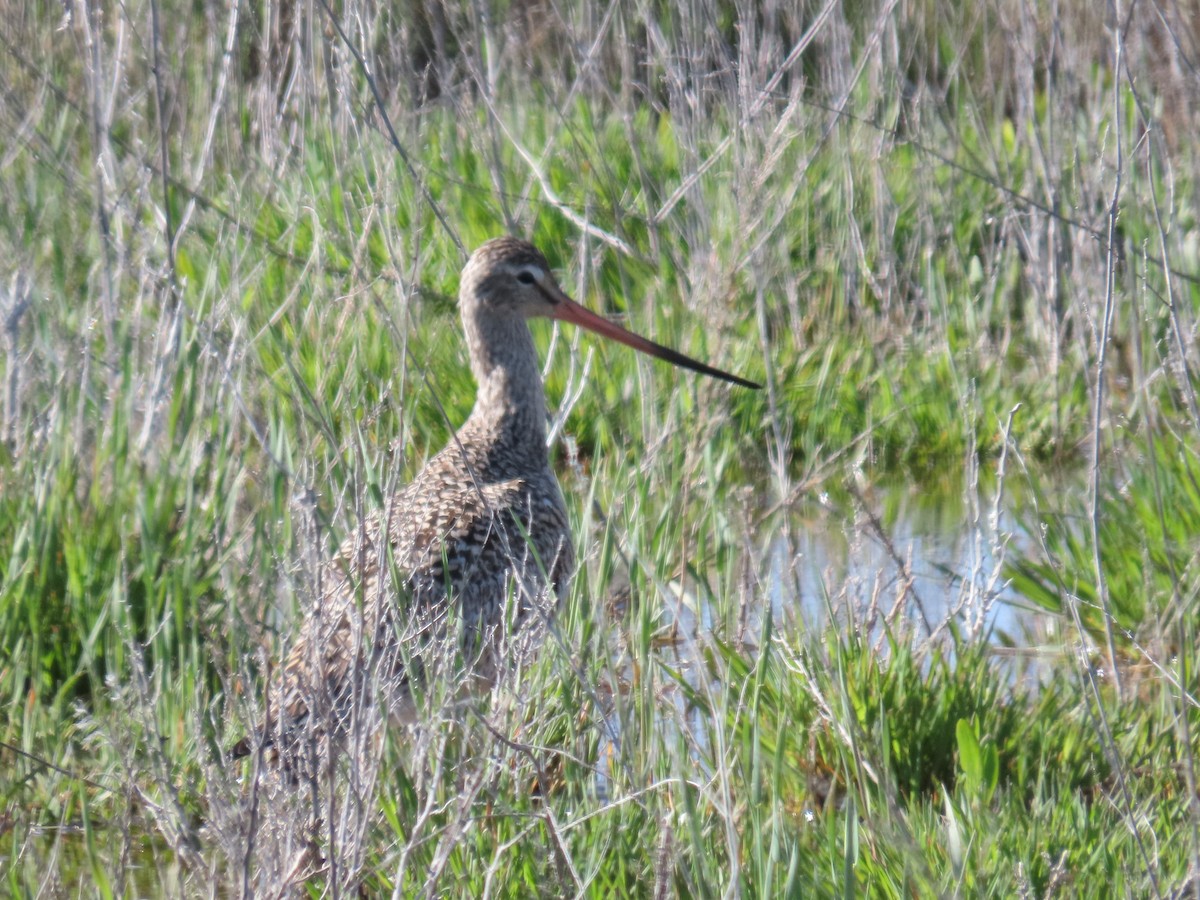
point(956, 242)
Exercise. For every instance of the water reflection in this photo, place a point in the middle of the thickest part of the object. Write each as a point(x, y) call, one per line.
point(889, 557)
point(905, 556)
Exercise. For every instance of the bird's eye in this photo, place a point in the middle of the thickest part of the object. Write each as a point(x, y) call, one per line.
point(525, 277)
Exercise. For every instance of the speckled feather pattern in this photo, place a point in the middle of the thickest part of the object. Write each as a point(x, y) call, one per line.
point(477, 545)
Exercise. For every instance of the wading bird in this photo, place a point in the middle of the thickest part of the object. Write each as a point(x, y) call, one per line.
point(467, 555)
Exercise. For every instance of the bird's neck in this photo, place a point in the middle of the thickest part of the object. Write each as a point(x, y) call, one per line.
point(510, 406)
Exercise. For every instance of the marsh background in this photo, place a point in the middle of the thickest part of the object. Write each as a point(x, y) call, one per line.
point(917, 619)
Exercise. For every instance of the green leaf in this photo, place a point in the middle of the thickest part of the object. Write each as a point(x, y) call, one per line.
point(991, 770)
point(970, 755)
point(850, 847)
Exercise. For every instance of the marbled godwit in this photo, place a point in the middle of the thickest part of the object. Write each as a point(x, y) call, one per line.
point(477, 543)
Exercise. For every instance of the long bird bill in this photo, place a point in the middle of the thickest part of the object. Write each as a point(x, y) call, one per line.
point(567, 310)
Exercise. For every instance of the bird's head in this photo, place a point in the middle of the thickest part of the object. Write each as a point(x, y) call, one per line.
point(510, 277)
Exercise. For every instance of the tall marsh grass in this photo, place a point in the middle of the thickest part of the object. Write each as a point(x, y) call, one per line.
point(956, 242)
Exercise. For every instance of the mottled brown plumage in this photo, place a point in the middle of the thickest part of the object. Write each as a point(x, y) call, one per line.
point(466, 556)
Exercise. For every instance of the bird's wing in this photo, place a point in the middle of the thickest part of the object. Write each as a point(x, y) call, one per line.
point(467, 541)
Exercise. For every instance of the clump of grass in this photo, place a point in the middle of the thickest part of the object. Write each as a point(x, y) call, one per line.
point(1148, 513)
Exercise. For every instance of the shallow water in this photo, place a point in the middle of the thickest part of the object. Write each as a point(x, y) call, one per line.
point(887, 558)
point(890, 555)
point(902, 555)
